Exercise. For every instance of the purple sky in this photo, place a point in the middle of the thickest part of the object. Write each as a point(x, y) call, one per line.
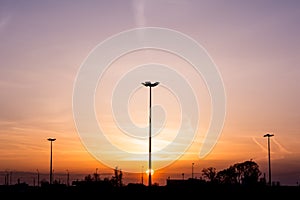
point(255, 45)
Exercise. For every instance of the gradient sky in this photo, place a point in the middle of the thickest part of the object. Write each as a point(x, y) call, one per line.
point(255, 45)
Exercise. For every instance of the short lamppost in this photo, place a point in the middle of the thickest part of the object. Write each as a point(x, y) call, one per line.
point(68, 178)
point(96, 174)
point(193, 170)
point(150, 85)
point(269, 135)
point(38, 177)
point(142, 175)
point(51, 140)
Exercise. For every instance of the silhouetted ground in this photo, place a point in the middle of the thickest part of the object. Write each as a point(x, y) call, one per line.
point(133, 191)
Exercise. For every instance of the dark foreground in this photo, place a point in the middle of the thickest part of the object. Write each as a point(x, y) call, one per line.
point(133, 191)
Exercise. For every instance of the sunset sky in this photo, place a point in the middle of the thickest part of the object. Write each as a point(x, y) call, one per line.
point(255, 46)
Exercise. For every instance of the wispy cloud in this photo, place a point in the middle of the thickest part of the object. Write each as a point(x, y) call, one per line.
point(139, 12)
point(4, 21)
point(279, 149)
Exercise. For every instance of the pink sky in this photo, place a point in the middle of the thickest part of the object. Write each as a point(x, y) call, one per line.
point(255, 45)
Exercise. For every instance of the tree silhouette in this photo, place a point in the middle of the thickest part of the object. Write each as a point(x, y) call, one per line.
point(88, 178)
point(96, 176)
point(117, 178)
point(248, 172)
point(209, 174)
point(227, 176)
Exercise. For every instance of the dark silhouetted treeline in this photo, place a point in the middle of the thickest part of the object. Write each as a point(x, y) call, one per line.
point(241, 180)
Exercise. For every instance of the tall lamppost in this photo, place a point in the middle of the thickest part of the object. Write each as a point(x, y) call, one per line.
point(51, 140)
point(269, 135)
point(150, 85)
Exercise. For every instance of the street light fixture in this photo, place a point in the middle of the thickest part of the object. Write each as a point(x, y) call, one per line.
point(269, 135)
point(51, 140)
point(150, 85)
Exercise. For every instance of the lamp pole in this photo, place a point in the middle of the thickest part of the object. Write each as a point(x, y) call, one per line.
point(142, 175)
point(96, 175)
point(68, 178)
point(38, 177)
point(269, 135)
point(193, 170)
point(150, 85)
point(51, 140)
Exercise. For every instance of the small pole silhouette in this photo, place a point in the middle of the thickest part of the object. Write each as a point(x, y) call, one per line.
point(38, 177)
point(142, 175)
point(193, 170)
point(68, 177)
point(96, 174)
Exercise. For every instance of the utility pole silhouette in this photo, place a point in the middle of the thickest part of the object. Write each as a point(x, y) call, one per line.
point(269, 159)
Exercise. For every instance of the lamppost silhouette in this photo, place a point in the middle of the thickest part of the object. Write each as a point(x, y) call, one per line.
point(150, 85)
point(193, 170)
point(68, 177)
point(38, 177)
point(142, 175)
point(269, 135)
point(51, 140)
point(96, 174)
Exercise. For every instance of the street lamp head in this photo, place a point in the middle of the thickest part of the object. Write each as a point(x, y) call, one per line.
point(268, 135)
point(51, 139)
point(149, 84)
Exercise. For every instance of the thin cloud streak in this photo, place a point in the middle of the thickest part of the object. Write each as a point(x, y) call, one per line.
point(139, 12)
point(279, 149)
point(4, 21)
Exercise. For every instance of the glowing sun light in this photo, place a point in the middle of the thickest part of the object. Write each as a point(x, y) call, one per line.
point(152, 171)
